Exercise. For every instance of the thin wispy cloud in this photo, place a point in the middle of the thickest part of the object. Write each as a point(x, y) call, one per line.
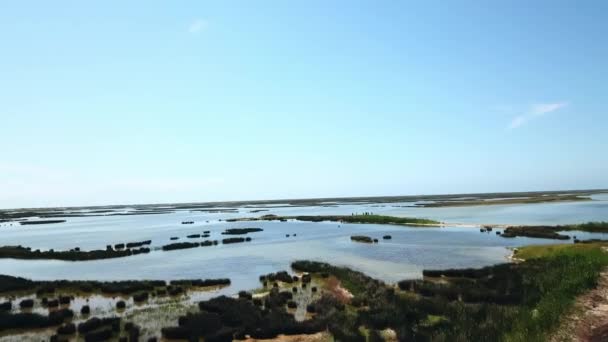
point(535, 111)
point(197, 26)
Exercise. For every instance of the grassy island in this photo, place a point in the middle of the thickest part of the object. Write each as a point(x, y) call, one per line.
point(354, 218)
point(552, 232)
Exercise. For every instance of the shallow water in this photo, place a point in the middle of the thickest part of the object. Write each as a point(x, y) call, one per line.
point(404, 256)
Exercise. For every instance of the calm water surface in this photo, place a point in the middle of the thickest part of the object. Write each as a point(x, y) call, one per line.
point(404, 256)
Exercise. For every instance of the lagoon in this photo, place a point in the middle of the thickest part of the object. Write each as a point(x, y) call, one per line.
point(410, 250)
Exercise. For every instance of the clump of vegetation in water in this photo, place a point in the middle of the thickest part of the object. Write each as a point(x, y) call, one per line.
point(138, 244)
point(180, 245)
point(235, 240)
point(356, 218)
point(280, 276)
point(543, 232)
point(20, 252)
point(241, 231)
point(362, 238)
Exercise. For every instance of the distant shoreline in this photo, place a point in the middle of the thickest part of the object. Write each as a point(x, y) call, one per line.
point(322, 201)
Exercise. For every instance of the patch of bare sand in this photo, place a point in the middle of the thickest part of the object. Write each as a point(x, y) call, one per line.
point(588, 321)
point(318, 337)
point(333, 285)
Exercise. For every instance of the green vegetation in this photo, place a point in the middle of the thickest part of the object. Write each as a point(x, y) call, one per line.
point(362, 238)
point(542, 232)
point(551, 232)
point(19, 252)
point(592, 227)
point(509, 302)
point(354, 218)
point(241, 231)
point(34, 222)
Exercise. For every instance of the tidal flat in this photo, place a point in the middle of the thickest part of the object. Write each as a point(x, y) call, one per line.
point(408, 243)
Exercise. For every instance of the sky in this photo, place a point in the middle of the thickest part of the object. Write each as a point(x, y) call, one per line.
point(118, 102)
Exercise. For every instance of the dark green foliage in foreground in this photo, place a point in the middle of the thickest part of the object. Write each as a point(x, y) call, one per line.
point(223, 318)
point(33, 320)
point(10, 284)
point(509, 302)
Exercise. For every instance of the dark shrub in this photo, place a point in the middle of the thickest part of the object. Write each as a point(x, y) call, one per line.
point(64, 300)
point(193, 326)
point(89, 325)
point(180, 245)
point(119, 246)
point(241, 231)
point(53, 303)
point(85, 310)
point(141, 297)
point(175, 290)
point(138, 244)
point(193, 236)
point(310, 308)
point(245, 295)
point(294, 289)
point(233, 240)
point(387, 237)
point(361, 238)
point(60, 315)
point(134, 333)
point(313, 289)
point(306, 278)
point(26, 304)
point(174, 238)
point(121, 304)
point(375, 240)
point(27, 321)
point(280, 276)
point(98, 336)
point(6, 306)
point(67, 329)
point(292, 305)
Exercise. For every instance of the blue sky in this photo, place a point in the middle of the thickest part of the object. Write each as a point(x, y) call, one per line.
point(177, 101)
